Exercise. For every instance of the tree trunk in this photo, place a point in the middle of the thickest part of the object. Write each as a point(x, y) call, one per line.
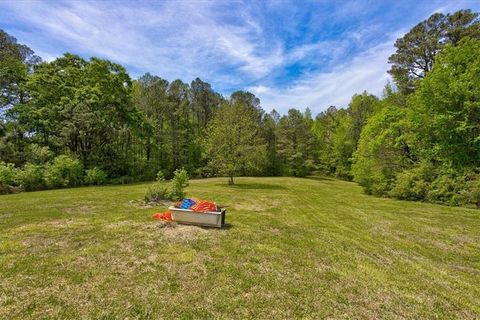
point(230, 180)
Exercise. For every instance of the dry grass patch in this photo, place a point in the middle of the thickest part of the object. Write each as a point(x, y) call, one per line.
point(81, 209)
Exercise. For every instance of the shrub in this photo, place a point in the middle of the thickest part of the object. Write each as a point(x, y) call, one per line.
point(414, 183)
point(31, 177)
point(160, 176)
point(8, 182)
point(179, 183)
point(474, 191)
point(95, 176)
point(444, 188)
point(37, 154)
point(157, 191)
point(467, 191)
point(122, 180)
point(160, 190)
point(8, 174)
point(64, 171)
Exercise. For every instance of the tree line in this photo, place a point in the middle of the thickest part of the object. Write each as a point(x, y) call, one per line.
point(72, 121)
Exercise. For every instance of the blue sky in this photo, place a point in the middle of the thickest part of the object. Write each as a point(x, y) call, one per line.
point(289, 53)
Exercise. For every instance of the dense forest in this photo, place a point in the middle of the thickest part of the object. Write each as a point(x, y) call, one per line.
point(73, 121)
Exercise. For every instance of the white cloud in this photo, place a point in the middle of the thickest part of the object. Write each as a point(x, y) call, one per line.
point(366, 71)
point(173, 40)
point(227, 43)
point(258, 89)
point(188, 40)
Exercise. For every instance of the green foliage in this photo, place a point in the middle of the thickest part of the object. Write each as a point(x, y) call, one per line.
point(382, 151)
point(64, 171)
point(445, 117)
point(95, 176)
point(414, 183)
point(8, 174)
point(80, 105)
point(178, 184)
point(174, 190)
point(15, 61)
point(233, 145)
point(122, 180)
point(160, 176)
point(459, 189)
point(31, 177)
point(338, 133)
point(296, 144)
point(157, 192)
point(324, 129)
point(416, 50)
point(38, 154)
point(423, 151)
point(472, 195)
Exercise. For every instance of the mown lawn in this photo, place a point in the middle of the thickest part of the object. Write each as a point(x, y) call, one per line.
point(294, 248)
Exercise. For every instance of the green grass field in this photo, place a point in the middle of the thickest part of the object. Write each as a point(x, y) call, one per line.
point(294, 248)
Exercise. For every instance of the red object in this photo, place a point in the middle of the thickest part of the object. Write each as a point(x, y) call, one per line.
point(167, 215)
point(204, 206)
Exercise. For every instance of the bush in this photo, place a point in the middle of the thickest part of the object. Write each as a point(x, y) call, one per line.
point(179, 183)
point(444, 189)
point(160, 190)
point(64, 171)
point(423, 182)
point(31, 177)
point(467, 191)
point(8, 174)
point(473, 194)
point(8, 178)
point(122, 180)
point(414, 183)
point(157, 191)
point(95, 176)
point(37, 154)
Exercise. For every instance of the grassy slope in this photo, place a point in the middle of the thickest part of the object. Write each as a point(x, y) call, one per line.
point(295, 248)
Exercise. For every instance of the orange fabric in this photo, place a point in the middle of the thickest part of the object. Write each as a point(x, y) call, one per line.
point(201, 206)
point(167, 215)
point(204, 206)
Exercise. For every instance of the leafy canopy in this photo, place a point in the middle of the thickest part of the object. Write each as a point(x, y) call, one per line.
point(233, 145)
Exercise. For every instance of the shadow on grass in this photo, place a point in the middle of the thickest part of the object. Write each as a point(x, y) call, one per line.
point(255, 186)
point(226, 226)
point(319, 178)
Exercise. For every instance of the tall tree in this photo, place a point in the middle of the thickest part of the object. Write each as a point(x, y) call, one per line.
point(324, 128)
point(296, 144)
point(445, 109)
point(79, 106)
point(417, 49)
point(269, 133)
point(15, 62)
point(204, 102)
point(233, 144)
point(381, 153)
